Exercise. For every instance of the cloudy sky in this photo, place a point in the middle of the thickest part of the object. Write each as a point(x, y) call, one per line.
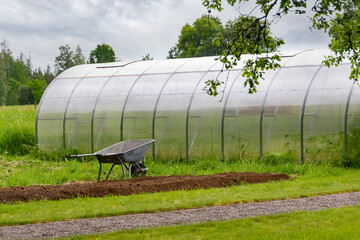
point(132, 27)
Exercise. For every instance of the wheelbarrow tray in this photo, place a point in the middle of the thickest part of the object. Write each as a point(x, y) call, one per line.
point(129, 151)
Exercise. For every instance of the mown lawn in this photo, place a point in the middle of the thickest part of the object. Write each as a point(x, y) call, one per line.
point(340, 223)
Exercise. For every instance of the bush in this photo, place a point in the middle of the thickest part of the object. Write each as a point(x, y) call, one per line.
point(26, 96)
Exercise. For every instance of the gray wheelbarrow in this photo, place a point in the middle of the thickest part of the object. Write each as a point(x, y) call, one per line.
point(129, 152)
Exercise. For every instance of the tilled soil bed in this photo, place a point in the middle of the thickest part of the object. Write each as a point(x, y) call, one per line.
point(133, 186)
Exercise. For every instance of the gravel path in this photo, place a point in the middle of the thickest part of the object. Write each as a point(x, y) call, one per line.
point(109, 224)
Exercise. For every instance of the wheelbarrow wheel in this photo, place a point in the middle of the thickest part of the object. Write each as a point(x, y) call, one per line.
point(136, 170)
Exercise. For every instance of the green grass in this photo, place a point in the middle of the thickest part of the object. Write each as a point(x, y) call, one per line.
point(310, 184)
point(17, 129)
point(340, 223)
point(25, 170)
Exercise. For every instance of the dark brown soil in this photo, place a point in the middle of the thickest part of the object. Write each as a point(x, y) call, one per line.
point(133, 186)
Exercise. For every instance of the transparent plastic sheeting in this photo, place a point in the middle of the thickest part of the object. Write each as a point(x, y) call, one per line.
point(303, 108)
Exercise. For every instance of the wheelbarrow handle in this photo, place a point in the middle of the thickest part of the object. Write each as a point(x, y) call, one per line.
point(82, 155)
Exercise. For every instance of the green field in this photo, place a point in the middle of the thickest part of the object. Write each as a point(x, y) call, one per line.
point(23, 164)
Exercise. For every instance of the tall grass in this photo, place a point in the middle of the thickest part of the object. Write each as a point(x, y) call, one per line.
point(17, 129)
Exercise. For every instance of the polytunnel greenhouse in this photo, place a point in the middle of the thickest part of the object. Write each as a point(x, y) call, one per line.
point(303, 108)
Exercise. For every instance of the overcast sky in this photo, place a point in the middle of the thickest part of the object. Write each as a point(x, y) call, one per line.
point(132, 27)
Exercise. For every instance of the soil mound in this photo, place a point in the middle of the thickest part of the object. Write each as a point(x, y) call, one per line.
point(133, 186)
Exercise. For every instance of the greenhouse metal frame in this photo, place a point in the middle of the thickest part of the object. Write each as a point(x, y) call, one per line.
point(302, 108)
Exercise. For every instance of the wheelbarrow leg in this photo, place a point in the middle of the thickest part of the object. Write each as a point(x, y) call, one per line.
point(122, 166)
point(99, 171)
point(110, 170)
point(130, 165)
point(123, 169)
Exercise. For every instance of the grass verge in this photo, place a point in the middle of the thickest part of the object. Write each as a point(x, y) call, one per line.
point(340, 223)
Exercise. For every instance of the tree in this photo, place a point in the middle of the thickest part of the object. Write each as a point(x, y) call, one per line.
point(19, 71)
point(29, 65)
point(340, 19)
point(196, 40)
point(102, 54)
point(18, 83)
point(26, 96)
point(208, 37)
point(6, 56)
point(343, 26)
point(37, 88)
point(65, 60)
point(18, 75)
point(38, 74)
point(79, 57)
point(13, 74)
point(147, 57)
point(3, 91)
point(48, 75)
point(5, 64)
point(13, 92)
point(68, 58)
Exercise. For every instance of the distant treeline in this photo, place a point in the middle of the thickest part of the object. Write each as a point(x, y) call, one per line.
point(19, 83)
